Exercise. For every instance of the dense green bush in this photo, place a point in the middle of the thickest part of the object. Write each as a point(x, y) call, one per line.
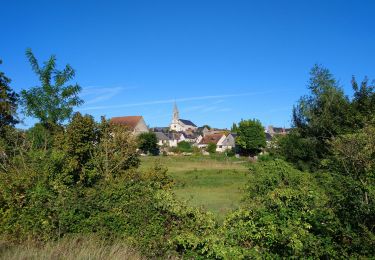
point(184, 147)
point(88, 182)
point(211, 148)
point(148, 143)
point(286, 213)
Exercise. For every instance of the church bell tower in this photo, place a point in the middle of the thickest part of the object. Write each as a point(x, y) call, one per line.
point(174, 125)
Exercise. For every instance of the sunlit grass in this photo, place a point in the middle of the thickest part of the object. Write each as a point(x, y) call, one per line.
point(215, 184)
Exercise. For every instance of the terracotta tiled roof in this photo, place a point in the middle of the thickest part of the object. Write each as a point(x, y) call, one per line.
point(213, 138)
point(129, 121)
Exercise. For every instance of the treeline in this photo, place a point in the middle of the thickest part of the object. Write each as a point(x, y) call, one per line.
point(58, 179)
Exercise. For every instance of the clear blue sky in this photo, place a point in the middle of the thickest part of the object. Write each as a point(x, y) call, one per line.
point(220, 60)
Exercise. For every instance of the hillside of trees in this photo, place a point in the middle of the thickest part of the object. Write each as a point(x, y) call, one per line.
point(68, 175)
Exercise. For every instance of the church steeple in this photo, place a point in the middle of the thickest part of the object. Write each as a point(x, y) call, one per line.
point(176, 115)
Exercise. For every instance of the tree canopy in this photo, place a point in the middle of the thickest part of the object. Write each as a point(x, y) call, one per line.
point(251, 137)
point(52, 102)
point(8, 103)
point(148, 143)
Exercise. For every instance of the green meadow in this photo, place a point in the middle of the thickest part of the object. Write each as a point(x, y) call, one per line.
point(214, 183)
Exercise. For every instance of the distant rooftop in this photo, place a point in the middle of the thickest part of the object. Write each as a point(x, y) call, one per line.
point(129, 121)
point(187, 122)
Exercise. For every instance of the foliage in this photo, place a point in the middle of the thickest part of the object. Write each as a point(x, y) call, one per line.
point(148, 143)
point(52, 102)
point(363, 103)
point(250, 137)
point(324, 113)
point(234, 128)
point(230, 152)
point(184, 147)
point(115, 151)
point(354, 160)
point(302, 151)
point(211, 148)
point(8, 104)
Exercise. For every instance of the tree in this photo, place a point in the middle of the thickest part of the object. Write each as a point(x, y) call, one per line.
point(52, 102)
point(206, 126)
point(250, 137)
point(234, 128)
point(354, 156)
point(8, 103)
point(184, 147)
point(363, 103)
point(211, 148)
point(148, 143)
point(78, 144)
point(326, 111)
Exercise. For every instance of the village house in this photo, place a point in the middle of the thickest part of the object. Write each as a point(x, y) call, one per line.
point(163, 139)
point(222, 141)
point(277, 130)
point(136, 124)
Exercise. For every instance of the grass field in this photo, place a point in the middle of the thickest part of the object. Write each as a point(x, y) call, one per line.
point(69, 248)
point(214, 184)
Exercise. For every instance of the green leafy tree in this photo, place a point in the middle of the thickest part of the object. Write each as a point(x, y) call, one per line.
point(211, 148)
point(184, 147)
point(234, 128)
point(285, 214)
point(8, 103)
point(251, 138)
point(78, 145)
point(363, 103)
point(116, 151)
point(302, 151)
point(52, 102)
point(325, 112)
point(354, 156)
point(148, 143)
point(39, 137)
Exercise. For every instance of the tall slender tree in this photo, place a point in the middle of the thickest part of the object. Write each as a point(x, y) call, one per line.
point(52, 102)
point(8, 103)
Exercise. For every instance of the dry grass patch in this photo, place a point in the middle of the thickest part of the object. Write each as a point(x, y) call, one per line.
point(81, 247)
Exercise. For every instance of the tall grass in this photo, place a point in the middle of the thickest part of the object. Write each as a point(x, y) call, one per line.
point(78, 247)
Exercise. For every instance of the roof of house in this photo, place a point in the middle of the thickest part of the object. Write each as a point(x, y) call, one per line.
point(129, 121)
point(174, 136)
point(159, 129)
point(161, 136)
point(278, 129)
point(213, 138)
point(187, 122)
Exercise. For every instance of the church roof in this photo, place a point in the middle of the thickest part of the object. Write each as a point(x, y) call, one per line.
point(187, 122)
point(129, 121)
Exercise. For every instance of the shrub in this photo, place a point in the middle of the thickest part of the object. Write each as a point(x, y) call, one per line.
point(148, 143)
point(230, 152)
point(184, 147)
point(211, 148)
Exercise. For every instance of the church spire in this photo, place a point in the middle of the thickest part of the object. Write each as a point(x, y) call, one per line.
point(176, 116)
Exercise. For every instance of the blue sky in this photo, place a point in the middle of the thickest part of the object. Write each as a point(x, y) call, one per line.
point(220, 60)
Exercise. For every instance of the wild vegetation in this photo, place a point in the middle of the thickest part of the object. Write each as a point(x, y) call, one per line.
point(216, 183)
point(70, 179)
